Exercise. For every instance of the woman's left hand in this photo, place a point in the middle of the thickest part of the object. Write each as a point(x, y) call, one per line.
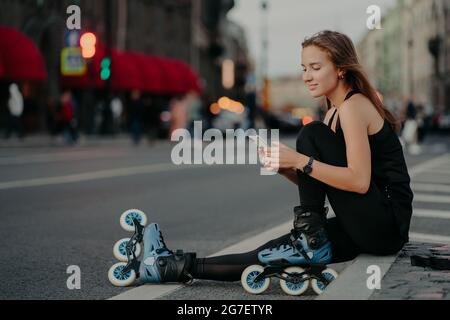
point(280, 156)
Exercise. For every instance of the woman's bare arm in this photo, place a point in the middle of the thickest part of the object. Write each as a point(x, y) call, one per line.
point(356, 176)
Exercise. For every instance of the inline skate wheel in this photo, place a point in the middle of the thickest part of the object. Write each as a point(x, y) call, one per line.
point(126, 219)
point(119, 280)
point(120, 250)
point(247, 280)
point(291, 288)
point(318, 286)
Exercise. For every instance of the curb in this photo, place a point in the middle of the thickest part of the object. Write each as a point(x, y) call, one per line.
point(352, 282)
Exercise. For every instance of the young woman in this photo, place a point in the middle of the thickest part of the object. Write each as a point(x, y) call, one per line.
point(354, 157)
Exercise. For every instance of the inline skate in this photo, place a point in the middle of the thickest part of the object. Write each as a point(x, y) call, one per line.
point(301, 261)
point(159, 264)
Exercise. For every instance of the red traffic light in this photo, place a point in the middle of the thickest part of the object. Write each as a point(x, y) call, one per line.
point(88, 42)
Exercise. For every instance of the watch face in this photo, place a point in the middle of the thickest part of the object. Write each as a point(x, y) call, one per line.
point(307, 170)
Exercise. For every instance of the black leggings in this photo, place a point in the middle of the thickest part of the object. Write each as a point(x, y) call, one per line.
point(363, 223)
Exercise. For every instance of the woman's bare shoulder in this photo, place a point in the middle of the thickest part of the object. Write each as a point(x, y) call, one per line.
point(357, 106)
point(361, 107)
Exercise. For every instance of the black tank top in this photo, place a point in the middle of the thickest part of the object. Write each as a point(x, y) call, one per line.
point(389, 172)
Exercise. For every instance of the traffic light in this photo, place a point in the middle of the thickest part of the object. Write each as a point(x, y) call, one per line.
point(105, 69)
point(88, 42)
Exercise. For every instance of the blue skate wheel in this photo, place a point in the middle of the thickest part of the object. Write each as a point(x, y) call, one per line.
point(119, 280)
point(126, 219)
point(120, 250)
point(318, 286)
point(292, 288)
point(248, 277)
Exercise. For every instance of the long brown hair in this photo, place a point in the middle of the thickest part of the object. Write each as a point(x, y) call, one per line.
point(342, 53)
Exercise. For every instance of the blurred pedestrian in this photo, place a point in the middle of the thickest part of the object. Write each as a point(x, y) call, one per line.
point(15, 108)
point(153, 118)
point(136, 114)
point(53, 121)
point(68, 118)
point(423, 122)
point(179, 113)
point(409, 135)
point(250, 99)
point(194, 108)
point(117, 109)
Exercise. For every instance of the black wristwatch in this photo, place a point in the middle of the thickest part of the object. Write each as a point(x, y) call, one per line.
point(308, 168)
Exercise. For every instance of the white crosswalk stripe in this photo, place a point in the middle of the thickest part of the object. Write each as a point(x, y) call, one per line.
point(428, 213)
point(432, 176)
point(430, 187)
point(440, 171)
point(431, 238)
point(431, 198)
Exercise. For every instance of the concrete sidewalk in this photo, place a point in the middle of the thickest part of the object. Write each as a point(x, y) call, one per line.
point(400, 280)
point(404, 281)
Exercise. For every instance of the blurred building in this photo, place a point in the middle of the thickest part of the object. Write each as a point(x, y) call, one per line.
point(410, 56)
point(194, 31)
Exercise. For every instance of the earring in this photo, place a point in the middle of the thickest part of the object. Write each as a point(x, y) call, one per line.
point(341, 77)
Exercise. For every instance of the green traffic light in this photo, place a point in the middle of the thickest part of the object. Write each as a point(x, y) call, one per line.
point(106, 63)
point(105, 72)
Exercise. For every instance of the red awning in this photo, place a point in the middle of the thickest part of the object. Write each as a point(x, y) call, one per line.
point(2, 71)
point(21, 59)
point(131, 70)
point(172, 76)
point(125, 72)
point(190, 80)
point(150, 72)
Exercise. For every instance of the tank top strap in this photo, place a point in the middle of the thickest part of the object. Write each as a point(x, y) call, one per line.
point(331, 119)
point(348, 96)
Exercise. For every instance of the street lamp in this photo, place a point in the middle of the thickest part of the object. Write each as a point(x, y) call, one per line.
point(264, 55)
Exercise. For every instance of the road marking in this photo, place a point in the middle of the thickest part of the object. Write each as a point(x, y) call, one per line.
point(432, 238)
point(429, 178)
point(89, 176)
point(59, 156)
point(437, 171)
point(443, 167)
point(430, 187)
point(428, 213)
point(431, 198)
point(427, 165)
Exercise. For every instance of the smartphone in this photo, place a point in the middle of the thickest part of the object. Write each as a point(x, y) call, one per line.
point(260, 142)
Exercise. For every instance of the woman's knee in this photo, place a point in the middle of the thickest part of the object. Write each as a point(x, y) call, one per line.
point(309, 132)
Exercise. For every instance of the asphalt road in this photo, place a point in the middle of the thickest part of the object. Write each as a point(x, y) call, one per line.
point(61, 207)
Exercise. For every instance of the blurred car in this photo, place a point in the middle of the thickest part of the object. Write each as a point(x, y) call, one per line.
point(283, 121)
point(231, 120)
point(444, 121)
